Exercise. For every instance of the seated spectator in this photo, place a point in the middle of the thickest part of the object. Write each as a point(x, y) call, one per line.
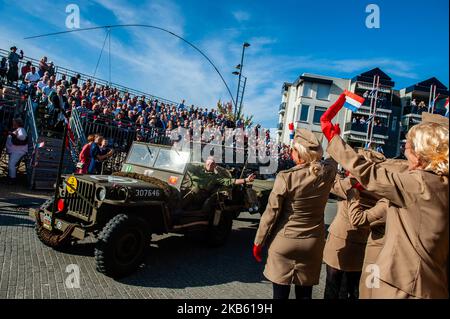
point(74, 79)
point(30, 80)
point(51, 68)
point(16, 147)
point(25, 69)
point(42, 84)
point(64, 81)
point(43, 66)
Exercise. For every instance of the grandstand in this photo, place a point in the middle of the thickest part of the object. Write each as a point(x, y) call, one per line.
point(95, 106)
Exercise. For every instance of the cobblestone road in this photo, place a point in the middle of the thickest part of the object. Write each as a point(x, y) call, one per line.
point(175, 267)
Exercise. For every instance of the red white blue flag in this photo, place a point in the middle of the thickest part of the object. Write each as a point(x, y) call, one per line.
point(352, 101)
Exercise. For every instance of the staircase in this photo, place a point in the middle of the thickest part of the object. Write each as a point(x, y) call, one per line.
point(45, 150)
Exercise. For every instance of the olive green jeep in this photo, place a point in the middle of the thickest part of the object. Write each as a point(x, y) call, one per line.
point(123, 210)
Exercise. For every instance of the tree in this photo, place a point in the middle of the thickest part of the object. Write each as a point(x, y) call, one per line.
point(226, 109)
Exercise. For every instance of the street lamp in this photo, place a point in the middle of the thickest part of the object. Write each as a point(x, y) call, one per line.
point(240, 68)
point(242, 93)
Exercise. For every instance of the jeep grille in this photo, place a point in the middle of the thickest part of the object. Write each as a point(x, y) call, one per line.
point(78, 207)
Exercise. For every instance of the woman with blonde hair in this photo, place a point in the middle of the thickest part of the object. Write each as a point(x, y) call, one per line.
point(292, 225)
point(414, 260)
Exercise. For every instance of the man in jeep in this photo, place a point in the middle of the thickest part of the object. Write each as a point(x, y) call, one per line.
point(201, 181)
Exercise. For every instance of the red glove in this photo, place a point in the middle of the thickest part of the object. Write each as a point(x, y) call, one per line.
point(257, 252)
point(358, 186)
point(330, 130)
point(333, 109)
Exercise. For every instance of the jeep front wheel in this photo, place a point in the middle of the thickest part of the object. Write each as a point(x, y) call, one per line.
point(121, 245)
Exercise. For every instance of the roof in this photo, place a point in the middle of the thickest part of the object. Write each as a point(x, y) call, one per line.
point(315, 78)
point(424, 86)
point(368, 77)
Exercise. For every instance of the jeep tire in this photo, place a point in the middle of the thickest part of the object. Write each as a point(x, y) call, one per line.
point(51, 238)
point(121, 245)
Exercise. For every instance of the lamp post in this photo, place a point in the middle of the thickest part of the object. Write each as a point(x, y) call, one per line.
point(242, 93)
point(240, 67)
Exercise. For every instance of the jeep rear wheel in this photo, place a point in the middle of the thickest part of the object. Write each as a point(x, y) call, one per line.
point(218, 235)
point(121, 245)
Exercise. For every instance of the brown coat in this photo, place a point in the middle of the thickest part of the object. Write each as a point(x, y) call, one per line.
point(374, 217)
point(415, 254)
point(293, 225)
point(345, 246)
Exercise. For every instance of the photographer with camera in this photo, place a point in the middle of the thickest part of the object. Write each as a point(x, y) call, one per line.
point(16, 147)
point(13, 60)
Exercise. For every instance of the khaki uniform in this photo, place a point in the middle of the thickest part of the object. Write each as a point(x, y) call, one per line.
point(346, 243)
point(345, 246)
point(293, 225)
point(414, 258)
point(374, 217)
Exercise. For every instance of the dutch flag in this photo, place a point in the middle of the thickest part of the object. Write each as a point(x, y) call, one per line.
point(291, 131)
point(352, 101)
point(446, 107)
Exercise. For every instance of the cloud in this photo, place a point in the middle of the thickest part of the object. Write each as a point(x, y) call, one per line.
point(160, 64)
point(241, 16)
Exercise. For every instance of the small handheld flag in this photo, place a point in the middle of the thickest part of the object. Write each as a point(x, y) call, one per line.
point(352, 101)
point(291, 131)
point(446, 107)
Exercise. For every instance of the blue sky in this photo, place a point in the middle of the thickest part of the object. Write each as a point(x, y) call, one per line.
point(287, 38)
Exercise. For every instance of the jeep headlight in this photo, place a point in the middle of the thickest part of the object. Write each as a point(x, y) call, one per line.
point(100, 193)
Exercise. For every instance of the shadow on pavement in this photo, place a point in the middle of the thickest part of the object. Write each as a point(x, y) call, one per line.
point(8, 219)
point(181, 263)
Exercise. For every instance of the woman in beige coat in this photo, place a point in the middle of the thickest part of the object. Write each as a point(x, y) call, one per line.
point(345, 246)
point(414, 260)
point(375, 218)
point(292, 226)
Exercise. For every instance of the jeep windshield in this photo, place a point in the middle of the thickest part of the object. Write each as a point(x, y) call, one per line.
point(158, 158)
point(172, 160)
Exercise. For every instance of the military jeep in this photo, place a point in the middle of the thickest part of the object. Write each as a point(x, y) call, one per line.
point(123, 210)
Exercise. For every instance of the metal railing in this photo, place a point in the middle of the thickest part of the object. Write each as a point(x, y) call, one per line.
point(77, 128)
point(60, 71)
point(362, 127)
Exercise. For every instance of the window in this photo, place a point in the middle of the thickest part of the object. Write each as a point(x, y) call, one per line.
point(307, 89)
point(304, 111)
point(394, 124)
point(318, 111)
point(323, 91)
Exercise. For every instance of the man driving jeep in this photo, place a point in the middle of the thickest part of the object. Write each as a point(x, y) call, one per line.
point(202, 181)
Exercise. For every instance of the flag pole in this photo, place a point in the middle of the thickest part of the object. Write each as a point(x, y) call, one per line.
point(434, 99)
point(430, 98)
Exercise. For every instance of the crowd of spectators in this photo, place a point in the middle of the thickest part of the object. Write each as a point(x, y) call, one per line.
point(109, 106)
